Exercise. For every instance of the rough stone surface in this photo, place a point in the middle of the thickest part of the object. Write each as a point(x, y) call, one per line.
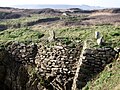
point(92, 62)
point(97, 34)
point(58, 64)
point(100, 41)
point(32, 67)
point(52, 36)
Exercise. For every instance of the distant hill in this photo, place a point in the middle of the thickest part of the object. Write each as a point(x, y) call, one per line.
point(84, 7)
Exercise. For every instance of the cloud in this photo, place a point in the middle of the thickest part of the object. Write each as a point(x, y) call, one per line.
point(103, 3)
point(20, 2)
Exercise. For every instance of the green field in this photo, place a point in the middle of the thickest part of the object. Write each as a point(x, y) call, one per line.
point(109, 79)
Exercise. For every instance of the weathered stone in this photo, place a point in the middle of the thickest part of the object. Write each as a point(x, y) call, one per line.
point(58, 47)
point(97, 34)
point(52, 36)
point(102, 53)
point(100, 41)
point(90, 58)
point(58, 65)
point(100, 49)
point(113, 53)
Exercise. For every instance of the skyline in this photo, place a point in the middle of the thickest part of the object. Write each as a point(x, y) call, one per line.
point(101, 3)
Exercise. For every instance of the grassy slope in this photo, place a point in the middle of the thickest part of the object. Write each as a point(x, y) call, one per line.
point(108, 79)
point(111, 33)
point(10, 23)
point(21, 34)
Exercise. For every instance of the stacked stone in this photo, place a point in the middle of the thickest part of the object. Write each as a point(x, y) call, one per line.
point(55, 64)
point(22, 53)
point(58, 65)
point(93, 62)
point(3, 56)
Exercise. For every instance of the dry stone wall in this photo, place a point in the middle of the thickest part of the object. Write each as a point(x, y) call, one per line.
point(92, 62)
point(22, 53)
point(14, 61)
point(58, 65)
point(40, 67)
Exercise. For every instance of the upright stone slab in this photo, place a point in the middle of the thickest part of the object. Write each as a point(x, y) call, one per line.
point(52, 36)
point(97, 35)
point(100, 41)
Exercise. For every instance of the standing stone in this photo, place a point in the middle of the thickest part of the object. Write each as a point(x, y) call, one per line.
point(52, 36)
point(100, 41)
point(97, 35)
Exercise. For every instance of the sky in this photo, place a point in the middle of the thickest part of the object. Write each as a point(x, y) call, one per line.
point(102, 3)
